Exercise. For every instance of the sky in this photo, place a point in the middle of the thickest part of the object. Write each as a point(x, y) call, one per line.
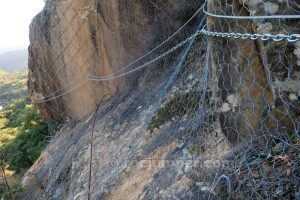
point(15, 17)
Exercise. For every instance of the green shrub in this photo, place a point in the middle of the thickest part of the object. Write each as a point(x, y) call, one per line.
point(25, 143)
point(23, 130)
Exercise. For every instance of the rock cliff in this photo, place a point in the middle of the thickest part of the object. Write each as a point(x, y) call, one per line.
point(72, 40)
point(258, 76)
point(164, 132)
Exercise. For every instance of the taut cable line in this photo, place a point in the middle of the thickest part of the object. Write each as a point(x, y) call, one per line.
point(253, 17)
point(114, 75)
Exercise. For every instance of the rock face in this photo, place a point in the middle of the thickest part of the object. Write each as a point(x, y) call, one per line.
point(254, 77)
point(138, 150)
point(72, 40)
point(164, 132)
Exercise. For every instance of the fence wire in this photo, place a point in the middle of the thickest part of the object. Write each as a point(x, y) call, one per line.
point(258, 104)
point(223, 84)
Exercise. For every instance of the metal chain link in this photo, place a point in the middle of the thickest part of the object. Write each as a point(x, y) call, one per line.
point(263, 37)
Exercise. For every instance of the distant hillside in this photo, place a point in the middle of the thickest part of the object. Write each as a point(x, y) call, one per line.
point(14, 60)
point(12, 86)
point(2, 73)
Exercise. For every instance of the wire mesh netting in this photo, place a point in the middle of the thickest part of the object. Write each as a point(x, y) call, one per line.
point(225, 88)
point(258, 101)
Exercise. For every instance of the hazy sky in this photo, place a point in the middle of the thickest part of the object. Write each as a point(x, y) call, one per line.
point(15, 17)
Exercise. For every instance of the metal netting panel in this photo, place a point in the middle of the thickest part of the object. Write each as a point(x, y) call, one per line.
point(224, 88)
point(256, 66)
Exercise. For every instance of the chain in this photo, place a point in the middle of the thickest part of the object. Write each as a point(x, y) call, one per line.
point(263, 37)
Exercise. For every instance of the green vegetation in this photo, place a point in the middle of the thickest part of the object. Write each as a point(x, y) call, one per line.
point(23, 130)
point(178, 106)
point(23, 134)
point(12, 86)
